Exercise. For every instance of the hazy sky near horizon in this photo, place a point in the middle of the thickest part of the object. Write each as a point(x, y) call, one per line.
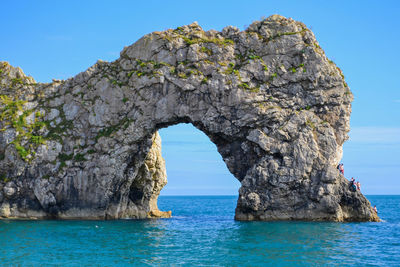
point(59, 39)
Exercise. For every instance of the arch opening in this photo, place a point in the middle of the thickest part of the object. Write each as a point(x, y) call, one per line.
point(193, 164)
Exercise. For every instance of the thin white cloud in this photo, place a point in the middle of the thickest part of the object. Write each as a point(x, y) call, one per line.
point(397, 100)
point(181, 143)
point(375, 135)
point(208, 161)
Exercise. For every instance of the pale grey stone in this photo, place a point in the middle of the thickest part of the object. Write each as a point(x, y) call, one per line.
point(9, 190)
point(8, 135)
point(54, 113)
point(70, 110)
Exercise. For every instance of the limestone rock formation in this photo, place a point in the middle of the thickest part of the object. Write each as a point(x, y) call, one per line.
point(277, 109)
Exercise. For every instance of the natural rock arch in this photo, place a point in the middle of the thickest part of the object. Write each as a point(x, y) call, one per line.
point(277, 109)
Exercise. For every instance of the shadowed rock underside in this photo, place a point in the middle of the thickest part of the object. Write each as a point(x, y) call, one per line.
point(276, 108)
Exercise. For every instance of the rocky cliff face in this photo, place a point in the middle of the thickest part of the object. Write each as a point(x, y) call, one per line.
point(277, 109)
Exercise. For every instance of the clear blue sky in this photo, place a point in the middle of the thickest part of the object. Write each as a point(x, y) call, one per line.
point(58, 39)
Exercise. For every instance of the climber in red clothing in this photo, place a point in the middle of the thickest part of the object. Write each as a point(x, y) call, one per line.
point(341, 169)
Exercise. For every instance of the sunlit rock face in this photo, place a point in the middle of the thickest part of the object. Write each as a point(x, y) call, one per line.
point(277, 109)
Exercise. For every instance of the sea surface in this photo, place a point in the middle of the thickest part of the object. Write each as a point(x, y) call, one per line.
point(203, 232)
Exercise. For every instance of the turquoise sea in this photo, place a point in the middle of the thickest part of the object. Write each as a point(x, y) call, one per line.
point(202, 232)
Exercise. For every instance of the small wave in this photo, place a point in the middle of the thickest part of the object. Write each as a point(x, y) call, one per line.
point(179, 217)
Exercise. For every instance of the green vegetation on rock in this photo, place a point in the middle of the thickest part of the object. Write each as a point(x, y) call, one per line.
point(14, 115)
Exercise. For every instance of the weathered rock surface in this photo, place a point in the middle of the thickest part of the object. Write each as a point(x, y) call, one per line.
point(277, 109)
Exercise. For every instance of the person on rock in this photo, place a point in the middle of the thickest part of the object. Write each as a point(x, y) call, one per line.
point(341, 169)
point(353, 184)
point(375, 209)
point(358, 184)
